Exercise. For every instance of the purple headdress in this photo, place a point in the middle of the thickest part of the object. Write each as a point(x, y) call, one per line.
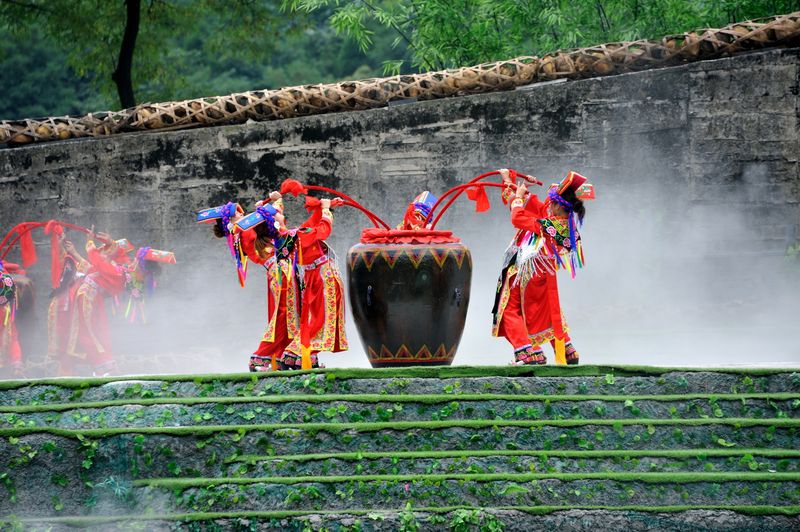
point(555, 197)
point(147, 274)
point(268, 213)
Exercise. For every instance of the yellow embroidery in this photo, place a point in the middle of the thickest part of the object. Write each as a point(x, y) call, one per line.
point(547, 335)
point(291, 300)
point(325, 339)
point(5, 338)
point(505, 294)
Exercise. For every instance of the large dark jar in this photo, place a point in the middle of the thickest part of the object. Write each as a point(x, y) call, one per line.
point(409, 292)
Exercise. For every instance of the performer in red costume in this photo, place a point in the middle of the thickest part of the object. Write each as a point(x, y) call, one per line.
point(89, 339)
point(418, 212)
point(252, 238)
point(274, 246)
point(10, 352)
point(322, 306)
point(62, 299)
point(527, 310)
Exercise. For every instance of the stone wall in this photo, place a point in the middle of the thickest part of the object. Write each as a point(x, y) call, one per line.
point(693, 163)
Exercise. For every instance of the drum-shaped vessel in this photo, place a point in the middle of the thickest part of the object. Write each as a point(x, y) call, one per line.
point(409, 294)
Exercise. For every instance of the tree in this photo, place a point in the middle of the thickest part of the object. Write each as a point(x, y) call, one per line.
point(124, 44)
point(453, 33)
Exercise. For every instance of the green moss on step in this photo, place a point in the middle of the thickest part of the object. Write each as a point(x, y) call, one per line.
point(650, 478)
point(395, 425)
point(436, 372)
point(678, 453)
point(385, 398)
point(283, 514)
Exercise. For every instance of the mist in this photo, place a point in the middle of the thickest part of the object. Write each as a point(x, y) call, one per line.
point(677, 274)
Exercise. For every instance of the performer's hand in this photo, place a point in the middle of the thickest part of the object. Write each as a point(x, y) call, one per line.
point(325, 203)
point(105, 238)
point(274, 195)
point(521, 190)
point(337, 202)
point(530, 179)
point(506, 175)
point(259, 203)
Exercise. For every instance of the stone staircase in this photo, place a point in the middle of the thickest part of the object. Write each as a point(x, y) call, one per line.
point(458, 448)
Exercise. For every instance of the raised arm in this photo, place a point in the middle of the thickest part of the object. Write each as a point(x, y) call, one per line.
point(524, 216)
point(100, 263)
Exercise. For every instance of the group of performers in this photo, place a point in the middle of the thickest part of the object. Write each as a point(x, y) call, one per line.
point(305, 293)
point(79, 339)
point(305, 290)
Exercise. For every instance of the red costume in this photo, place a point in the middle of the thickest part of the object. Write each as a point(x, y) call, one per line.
point(527, 310)
point(282, 301)
point(322, 306)
point(10, 352)
point(59, 313)
point(88, 337)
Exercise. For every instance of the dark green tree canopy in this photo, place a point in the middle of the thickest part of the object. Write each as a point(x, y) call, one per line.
point(60, 56)
point(126, 46)
point(453, 33)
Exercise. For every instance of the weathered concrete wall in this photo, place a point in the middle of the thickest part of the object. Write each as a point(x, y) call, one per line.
point(695, 159)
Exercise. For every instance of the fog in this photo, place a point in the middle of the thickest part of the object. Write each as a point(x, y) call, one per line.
point(670, 280)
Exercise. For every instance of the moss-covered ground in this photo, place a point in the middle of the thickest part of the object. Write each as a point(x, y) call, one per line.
point(491, 448)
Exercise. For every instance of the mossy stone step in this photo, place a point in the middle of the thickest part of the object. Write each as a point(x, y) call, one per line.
point(510, 461)
point(505, 439)
point(43, 459)
point(390, 491)
point(684, 518)
point(449, 435)
point(549, 380)
point(361, 408)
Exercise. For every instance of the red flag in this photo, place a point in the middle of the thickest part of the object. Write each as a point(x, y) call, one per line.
point(478, 195)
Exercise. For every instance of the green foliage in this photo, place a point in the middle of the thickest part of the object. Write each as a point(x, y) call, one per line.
point(90, 33)
point(408, 521)
point(464, 520)
point(183, 50)
point(452, 33)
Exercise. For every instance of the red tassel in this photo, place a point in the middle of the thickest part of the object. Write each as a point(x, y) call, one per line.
point(55, 230)
point(293, 187)
point(478, 195)
point(27, 248)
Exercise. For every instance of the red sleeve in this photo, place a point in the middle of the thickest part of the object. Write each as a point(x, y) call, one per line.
point(318, 232)
point(100, 264)
point(111, 277)
point(323, 229)
point(527, 217)
point(248, 241)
